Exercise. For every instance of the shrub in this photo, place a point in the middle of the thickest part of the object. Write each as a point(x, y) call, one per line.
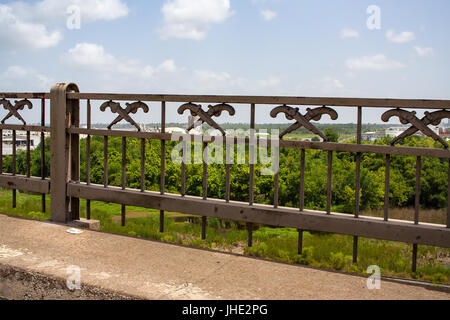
point(439, 278)
point(339, 261)
point(306, 258)
point(258, 250)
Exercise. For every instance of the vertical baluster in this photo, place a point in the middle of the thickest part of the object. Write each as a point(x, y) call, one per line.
point(417, 208)
point(205, 171)
point(28, 154)
point(301, 197)
point(448, 196)
point(387, 187)
point(14, 158)
point(142, 165)
point(204, 224)
point(250, 234)
point(105, 161)
point(414, 257)
point(330, 172)
point(124, 175)
point(205, 185)
point(74, 168)
point(417, 199)
point(252, 154)
point(1, 151)
point(275, 190)
point(228, 170)
point(163, 163)
point(183, 169)
point(357, 181)
point(302, 180)
point(275, 180)
point(14, 139)
point(43, 151)
point(88, 158)
point(252, 169)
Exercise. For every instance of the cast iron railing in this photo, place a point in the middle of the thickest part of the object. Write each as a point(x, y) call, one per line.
point(66, 189)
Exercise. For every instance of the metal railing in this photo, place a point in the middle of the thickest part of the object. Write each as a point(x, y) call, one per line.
point(12, 180)
point(66, 188)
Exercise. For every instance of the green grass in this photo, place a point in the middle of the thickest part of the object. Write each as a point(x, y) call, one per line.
point(327, 251)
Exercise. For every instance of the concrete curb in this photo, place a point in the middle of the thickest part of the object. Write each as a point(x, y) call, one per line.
point(20, 284)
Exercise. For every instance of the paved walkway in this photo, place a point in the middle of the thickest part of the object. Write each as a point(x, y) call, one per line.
point(154, 270)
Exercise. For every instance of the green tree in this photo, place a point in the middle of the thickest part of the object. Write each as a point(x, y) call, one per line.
point(332, 136)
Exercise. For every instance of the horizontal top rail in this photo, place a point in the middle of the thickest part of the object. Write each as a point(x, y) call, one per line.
point(342, 102)
point(25, 95)
point(273, 100)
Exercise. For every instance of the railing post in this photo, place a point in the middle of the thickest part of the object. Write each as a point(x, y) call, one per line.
point(64, 152)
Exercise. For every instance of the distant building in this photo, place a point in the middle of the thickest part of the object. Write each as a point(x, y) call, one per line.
point(198, 130)
point(395, 131)
point(175, 130)
point(372, 136)
point(21, 142)
point(444, 133)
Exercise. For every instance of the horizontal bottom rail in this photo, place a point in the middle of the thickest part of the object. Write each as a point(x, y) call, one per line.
point(425, 234)
point(23, 183)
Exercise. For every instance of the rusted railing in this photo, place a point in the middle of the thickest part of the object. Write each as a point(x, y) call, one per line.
point(66, 188)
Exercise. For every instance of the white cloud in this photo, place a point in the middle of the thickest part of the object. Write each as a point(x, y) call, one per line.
point(14, 32)
point(26, 25)
point(424, 52)
point(270, 82)
point(90, 65)
point(402, 37)
point(324, 86)
point(19, 78)
point(376, 62)
point(330, 82)
point(56, 10)
point(168, 66)
point(349, 33)
point(90, 56)
point(192, 19)
point(212, 76)
point(268, 15)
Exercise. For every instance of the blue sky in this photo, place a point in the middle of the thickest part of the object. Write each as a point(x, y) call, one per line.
point(257, 47)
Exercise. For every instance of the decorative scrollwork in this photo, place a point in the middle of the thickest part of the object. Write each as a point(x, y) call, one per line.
point(13, 110)
point(304, 121)
point(124, 114)
point(213, 111)
point(406, 117)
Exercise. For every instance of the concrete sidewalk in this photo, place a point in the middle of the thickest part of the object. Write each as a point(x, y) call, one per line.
point(124, 266)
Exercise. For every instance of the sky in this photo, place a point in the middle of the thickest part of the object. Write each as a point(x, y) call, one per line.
point(339, 48)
